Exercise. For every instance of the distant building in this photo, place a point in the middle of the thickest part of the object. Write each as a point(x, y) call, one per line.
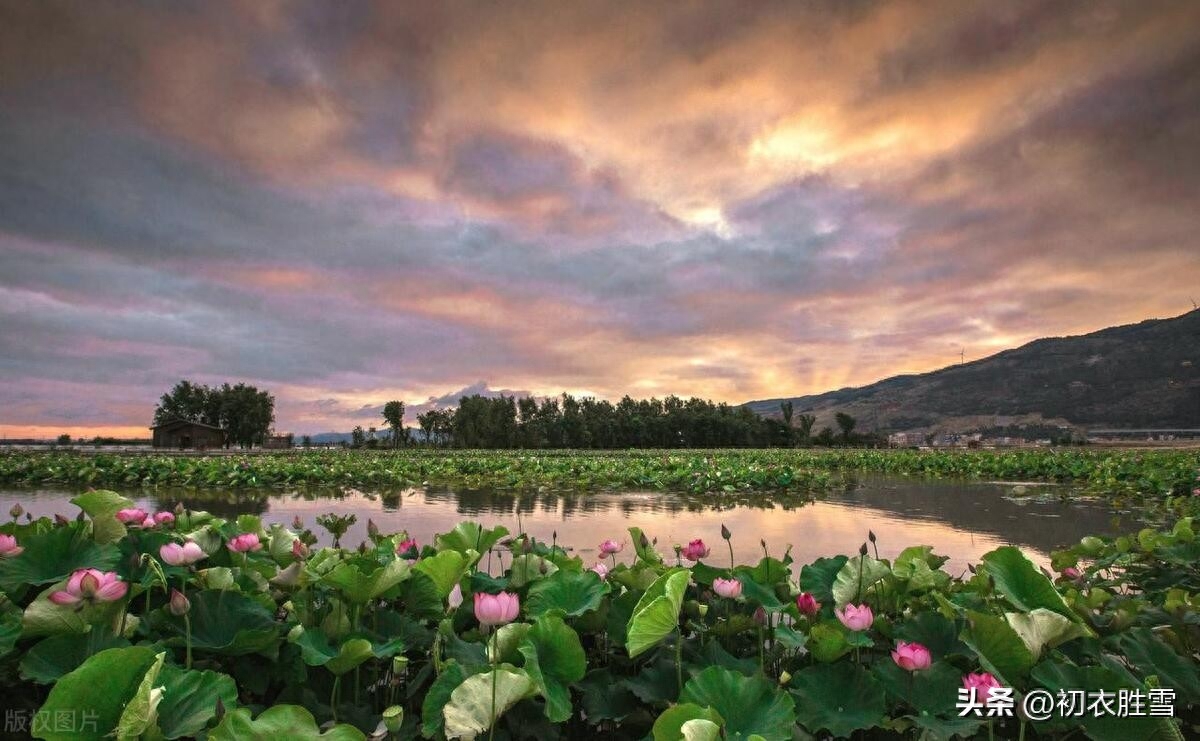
point(182, 434)
point(278, 442)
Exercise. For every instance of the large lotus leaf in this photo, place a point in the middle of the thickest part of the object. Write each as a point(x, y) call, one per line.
point(553, 659)
point(934, 631)
point(904, 564)
point(817, 577)
point(827, 641)
point(1055, 675)
point(504, 645)
point(1022, 584)
point(445, 568)
point(44, 618)
point(142, 709)
point(749, 705)
point(102, 507)
point(469, 536)
point(841, 698)
point(190, 699)
point(316, 650)
point(669, 726)
point(420, 596)
point(657, 612)
point(471, 711)
point(223, 622)
point(848, 587)
point(570, 592)
point(1041, 629)
point(53, 556)
point(657, 683)
point(10, 631)
point(755, 592)
point(279, 544)
point(643, 547)
point(922, 578)
point(57, 655)
point(432, 720)
point(97, 691)
point(361, 580)
point(947, 727)
point(606, 698)
point(528, 568)
point(1000, 648)
point(281, 721)
point(1151, 656)
point(933, 690)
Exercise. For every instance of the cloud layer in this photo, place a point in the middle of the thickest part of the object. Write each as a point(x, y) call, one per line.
point(351, 202)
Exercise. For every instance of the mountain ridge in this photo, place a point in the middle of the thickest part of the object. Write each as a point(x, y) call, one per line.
point(1145, 374)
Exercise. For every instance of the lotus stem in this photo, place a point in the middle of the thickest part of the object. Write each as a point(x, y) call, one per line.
point(495, 672)
point(187, 633)
point(679, 658)
point(729, 543)
point(333, 696)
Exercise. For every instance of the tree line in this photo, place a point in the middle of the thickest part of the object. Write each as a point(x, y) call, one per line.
point(569, 422)
point(244, 412)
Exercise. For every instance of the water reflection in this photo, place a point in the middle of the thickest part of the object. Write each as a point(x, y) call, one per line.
point(960, 520)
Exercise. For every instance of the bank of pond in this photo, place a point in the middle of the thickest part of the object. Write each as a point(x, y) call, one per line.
point(120, 620)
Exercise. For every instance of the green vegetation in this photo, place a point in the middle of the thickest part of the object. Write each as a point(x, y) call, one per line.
point(229, 629)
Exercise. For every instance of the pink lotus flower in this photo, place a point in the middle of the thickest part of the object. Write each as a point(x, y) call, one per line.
point(911, 656)
point(299, 550)
point(164, 518)
point(9, 547)
point(496, 609)
point(695, 550)
point(178, 604)
point(406, 547)
point(855, 617)
point(727, 588)
point(181, 555)
point(88, 586)
point(455, 598)
point(609, 547)
point(1072, 573)
point(148, 523)
point(601, 570)
point(244, 543)
point(982, 683)
point(131, 516)
point(807, 604)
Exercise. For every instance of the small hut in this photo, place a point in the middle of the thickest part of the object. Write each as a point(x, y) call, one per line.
point(183, 434)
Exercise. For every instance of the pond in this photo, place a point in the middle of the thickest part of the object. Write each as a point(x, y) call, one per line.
point(962, 520)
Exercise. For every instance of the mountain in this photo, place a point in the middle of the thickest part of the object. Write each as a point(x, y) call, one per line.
point(1137, 375)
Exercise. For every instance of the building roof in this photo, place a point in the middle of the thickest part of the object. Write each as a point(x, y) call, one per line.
point(176, 422)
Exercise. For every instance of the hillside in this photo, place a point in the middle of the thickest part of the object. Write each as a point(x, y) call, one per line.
point(1136, 375)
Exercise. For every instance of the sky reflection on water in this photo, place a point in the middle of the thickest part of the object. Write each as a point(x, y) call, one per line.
point(960, 520)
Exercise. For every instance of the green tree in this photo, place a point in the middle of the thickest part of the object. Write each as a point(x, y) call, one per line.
point(804, 424)
point(64, 439)
point(785, 407)
point(846, 424)
point(393, 414)
point(306, 441)
point(358, 437)
point(243, 411)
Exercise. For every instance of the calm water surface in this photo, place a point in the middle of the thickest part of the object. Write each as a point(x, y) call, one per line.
point(962, 520)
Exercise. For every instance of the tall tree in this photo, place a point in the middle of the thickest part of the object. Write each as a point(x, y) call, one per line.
point(243, 411)
point(393, 414)
point(805, 424)
point(846, 424)
point(786, 408)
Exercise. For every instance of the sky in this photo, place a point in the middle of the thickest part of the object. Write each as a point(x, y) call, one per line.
point(350, 202)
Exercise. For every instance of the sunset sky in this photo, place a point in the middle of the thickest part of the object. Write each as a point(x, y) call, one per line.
point(348, 202)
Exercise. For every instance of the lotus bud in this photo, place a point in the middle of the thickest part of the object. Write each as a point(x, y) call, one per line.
point(179, 510)
point(784, 679)
point(16, 511)
point(871, 535)
point(60, 520)
point(28, 517)
point(393, 718)
point(862, 551)
point(179, 604)
point(372, 529)
point(725, 534)
point(760, 616)
point(297, 523)
point(703, 610)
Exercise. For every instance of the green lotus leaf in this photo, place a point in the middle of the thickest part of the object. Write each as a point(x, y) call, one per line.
point(827, 641)
point(1057, 675)
point(316, 650)
point(141, 712)
point(1000, 648)
point(189, 700)
point(290, 722)
point(846, 586)
point(1152, 656)
point(747, 705)
point(669, 726)
point(572, 593)
point(445, 568)
point(55, 555)
point(818, 577)
point(657, 612)
point(432, 720)
point(1041, 629)
point(930, 691)
point(98, 690)
point(52, 657)
point(102, 507)
point(554, 658)
point(528, 568)
point(470, 711)
point(223, 622)
point(1022, 584)
point(841, 698)
point(470, 536)
point(362, 580)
